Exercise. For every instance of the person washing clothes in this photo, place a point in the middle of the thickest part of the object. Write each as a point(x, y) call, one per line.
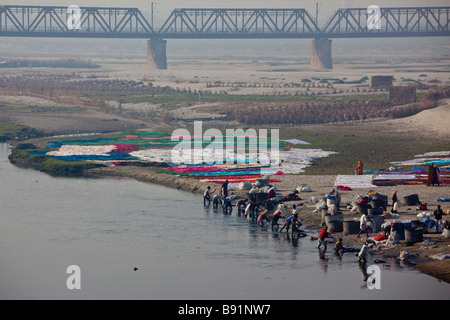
point(263, 216)
point(339, 247)
point(322, 238)
point(240, 206)
point(206, 196)
point(291, 221)
point(277, 216)
point(217, 200)
point(227, 207)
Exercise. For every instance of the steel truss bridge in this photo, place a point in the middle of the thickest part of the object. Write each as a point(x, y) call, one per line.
point(101, 22)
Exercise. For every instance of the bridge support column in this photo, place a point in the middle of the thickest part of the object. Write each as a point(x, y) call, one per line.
point(156, 54)
point(321, 54)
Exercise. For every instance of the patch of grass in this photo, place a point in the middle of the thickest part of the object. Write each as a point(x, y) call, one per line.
point(65, 168)
point(32, 108)
point(20, 156)
point(10, 131)
point(172, 98)
point(375, 150)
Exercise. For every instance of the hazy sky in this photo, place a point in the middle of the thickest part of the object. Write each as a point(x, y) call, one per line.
point(164, 7)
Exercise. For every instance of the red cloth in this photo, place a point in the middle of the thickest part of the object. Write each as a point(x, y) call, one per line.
point(323, 234)
point(423, 206)
point(380, 237)
point(271, 193)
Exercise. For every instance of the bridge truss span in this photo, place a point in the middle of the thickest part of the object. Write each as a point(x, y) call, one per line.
point(104, 22)
point(240, 23)
point(389, 22)
point(49, 21)
point(210, 23)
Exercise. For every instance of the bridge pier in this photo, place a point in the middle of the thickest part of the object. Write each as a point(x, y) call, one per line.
point(156, 54)
point(321, 54)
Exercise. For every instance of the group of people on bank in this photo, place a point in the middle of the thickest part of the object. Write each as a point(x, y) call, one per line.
point(254, 211)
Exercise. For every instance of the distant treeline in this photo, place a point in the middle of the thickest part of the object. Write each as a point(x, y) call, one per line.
point(313, 112)
point(60, 63)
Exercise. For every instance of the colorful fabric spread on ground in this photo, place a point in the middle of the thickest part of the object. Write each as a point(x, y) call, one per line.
point(228, 164)
point(416, 175)
point(399, 176)
point(396, 175)
point(440, 158)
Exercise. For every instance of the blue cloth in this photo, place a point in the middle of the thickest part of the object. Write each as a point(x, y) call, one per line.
point(438, 162)
point(38, 153)
point(289, 220)
point(111, 157)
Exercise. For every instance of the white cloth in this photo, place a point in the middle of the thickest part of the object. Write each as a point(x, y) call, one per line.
point(363, 221)
point(355, 181)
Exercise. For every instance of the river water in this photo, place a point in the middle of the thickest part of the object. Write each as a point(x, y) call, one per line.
point(133, 240)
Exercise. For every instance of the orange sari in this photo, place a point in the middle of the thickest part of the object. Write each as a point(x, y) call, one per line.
point(359, 170)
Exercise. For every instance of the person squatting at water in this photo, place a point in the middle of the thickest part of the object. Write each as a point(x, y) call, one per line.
point(227, 207)
point(240, 206)
point(252, 211)
point(263, 216)
point(339, 247)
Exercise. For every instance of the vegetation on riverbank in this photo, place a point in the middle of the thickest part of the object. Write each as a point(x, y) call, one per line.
point(375, 148)
point(9, 131)
point(20, 156)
